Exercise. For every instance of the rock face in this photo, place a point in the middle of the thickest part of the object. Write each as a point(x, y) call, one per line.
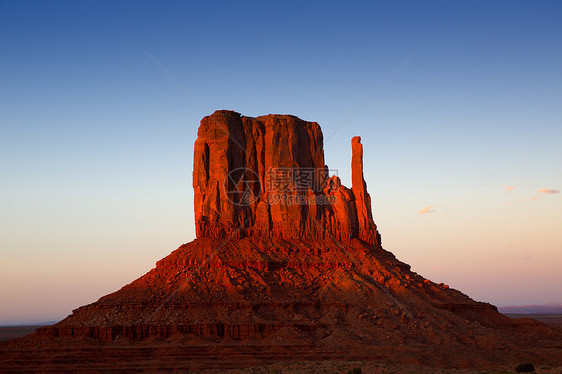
point(366, 226)
point(285, 267)
point(266, 177)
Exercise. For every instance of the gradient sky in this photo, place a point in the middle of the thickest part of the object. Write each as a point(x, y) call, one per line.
point(96, 139)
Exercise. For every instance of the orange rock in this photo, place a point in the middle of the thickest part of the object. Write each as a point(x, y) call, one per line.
point(266, 177)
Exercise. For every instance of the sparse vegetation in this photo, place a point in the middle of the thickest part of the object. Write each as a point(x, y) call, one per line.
point(525, 368)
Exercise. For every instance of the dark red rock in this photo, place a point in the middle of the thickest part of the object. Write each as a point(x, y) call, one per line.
point(366, 227)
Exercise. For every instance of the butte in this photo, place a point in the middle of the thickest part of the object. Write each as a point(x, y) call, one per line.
point(288, 264)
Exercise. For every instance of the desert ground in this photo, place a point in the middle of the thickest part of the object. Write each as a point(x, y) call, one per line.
point(549, 319)
point(12, 332)
point(333, 366)
point(344, 367)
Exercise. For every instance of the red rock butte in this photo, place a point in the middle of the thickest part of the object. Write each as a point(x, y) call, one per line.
point(285, 266)
point(266, 177)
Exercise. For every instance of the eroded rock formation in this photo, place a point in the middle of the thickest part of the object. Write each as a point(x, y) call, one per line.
point(266, 176)
point(302, 277)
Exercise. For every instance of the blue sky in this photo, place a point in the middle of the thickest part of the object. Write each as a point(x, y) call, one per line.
point(96, 140)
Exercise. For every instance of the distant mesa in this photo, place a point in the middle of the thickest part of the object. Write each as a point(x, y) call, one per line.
point(287, 265)
point(533, 309)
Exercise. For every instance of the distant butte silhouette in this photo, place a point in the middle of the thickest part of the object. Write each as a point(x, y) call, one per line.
point(287, 264)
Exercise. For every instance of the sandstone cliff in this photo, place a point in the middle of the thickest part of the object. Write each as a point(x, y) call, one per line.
point(266, 176)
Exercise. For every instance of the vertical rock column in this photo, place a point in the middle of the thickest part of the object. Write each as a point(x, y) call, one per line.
point(366, 226)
